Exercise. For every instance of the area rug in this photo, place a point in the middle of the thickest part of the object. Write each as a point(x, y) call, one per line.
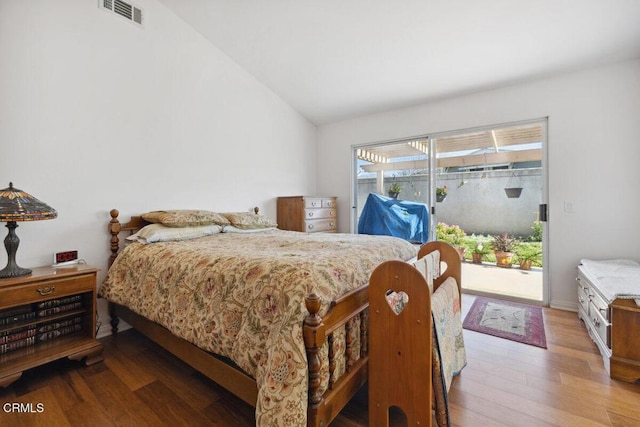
point(513, 321)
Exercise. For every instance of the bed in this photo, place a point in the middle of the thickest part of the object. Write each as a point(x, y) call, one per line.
point(298, 352)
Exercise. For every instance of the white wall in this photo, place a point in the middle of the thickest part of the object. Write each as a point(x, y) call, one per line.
point(593, 158)
point(96, 113)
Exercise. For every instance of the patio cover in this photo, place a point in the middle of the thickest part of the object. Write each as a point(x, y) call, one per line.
point(390, 217)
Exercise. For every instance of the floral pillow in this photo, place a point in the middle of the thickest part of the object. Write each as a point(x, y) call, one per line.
point(185, 218)
point(159, 233)
point(245, 220)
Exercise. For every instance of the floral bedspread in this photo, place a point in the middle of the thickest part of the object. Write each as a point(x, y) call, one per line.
point(242, 296)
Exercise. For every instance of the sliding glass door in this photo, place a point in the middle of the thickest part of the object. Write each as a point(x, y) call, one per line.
point(482, 187)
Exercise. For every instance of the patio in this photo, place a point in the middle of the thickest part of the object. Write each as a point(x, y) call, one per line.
point(487, 278)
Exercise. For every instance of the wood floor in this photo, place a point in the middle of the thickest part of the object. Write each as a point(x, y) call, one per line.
point(504, 384)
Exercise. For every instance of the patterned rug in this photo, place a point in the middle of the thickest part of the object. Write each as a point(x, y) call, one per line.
point(517, 322)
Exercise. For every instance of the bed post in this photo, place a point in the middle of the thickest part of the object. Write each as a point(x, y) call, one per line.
point(314, 338)
point(114, 229)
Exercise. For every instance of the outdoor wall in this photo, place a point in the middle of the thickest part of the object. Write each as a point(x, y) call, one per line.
point(478, 202)
point(592, 152)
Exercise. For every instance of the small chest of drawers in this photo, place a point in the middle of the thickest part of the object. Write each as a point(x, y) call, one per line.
point(308, 214)
point(613, 326)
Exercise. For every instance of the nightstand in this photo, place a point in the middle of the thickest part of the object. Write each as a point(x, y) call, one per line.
point(47, 315)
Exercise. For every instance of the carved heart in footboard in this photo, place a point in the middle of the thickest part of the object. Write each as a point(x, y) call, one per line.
point(397, 300)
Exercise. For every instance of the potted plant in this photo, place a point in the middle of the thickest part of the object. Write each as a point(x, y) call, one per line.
point(441, 193)
point(479, 251)
point(503, 246)
point(526, 254)
point(394, 190)
point(453, 235)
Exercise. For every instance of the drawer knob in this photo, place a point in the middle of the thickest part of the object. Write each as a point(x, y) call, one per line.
point(46, 290)
point(331, 224)
point(310, 226)
point(310, 213)
point(596, 322)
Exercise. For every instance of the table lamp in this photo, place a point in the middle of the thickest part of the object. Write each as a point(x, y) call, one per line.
point(16, 205)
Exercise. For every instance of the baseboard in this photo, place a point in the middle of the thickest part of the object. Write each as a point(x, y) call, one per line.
point(564, 305)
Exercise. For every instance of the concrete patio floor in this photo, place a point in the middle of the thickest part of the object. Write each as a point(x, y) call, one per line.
point(487, 278)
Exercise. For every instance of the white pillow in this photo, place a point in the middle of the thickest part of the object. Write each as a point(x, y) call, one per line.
point(232, 229)
point(161, 233)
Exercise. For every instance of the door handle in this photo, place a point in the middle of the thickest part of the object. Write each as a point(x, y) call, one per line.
point(542, 212)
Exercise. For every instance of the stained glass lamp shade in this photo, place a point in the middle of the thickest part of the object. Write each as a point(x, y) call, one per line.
point(16, 205)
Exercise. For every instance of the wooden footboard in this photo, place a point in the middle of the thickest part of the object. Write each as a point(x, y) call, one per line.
point(317, 330)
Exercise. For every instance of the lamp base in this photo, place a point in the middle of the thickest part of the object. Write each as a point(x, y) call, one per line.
point(11, 243)
point(13, 271)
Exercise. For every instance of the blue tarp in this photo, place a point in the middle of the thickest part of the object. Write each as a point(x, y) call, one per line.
point(390, 217)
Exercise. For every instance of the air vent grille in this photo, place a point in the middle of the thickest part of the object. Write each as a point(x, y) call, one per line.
point(123, 9)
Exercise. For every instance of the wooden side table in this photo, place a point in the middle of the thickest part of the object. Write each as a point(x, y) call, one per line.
point(45, 316)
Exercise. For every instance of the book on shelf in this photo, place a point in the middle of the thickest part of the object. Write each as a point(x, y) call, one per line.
point(17, 334)
point(59, 332)
point(59, 301)
point(15, 345)
point(15, 318)
point(59, 309)
point(47, 327)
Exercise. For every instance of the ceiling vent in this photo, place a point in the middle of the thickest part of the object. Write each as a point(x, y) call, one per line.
point(123, 9)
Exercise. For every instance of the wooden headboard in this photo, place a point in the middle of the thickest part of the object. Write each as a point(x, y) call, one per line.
point(134, 224)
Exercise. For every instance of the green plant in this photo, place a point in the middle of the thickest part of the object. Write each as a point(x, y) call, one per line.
point(536, 232)
point(395, 188)
point(480, 249)
point(527, 253)
point(503, 242)
point(441, 191)
point(452, 234)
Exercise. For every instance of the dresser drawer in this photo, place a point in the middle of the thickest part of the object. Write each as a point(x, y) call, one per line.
point(601, 305)
point(328, 203)
point(312, 202)
point(583, 297)
point(600, 324)
point(593, 296)
point(320, 225)
point(319, 213)
point(24, 294)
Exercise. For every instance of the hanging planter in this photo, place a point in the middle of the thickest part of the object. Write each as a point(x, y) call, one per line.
point(440, 197)
point(394, 190)
point(513, 192)
point(441, 193)
point(514, 186)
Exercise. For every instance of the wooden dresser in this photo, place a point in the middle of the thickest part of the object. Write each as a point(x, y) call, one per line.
point(308, 214)
point(47, 315)
point(614, 327)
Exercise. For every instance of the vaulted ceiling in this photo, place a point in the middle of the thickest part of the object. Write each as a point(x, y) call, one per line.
point(336, 59)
